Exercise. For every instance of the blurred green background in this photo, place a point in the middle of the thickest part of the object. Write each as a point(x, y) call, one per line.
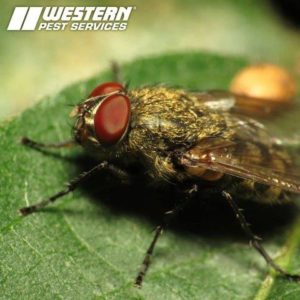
point(34, 64)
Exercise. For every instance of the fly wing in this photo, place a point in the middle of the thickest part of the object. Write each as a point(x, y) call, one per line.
point(227, 101)
point(245, 159)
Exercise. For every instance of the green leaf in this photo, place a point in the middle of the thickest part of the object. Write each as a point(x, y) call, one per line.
point(91, 243)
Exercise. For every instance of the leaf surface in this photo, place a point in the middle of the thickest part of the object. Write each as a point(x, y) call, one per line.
point(85, 247)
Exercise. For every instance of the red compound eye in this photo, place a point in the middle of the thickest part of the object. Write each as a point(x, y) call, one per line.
point(111, 119)
point(106, 88)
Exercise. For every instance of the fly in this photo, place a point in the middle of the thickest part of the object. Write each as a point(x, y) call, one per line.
point(184, 138)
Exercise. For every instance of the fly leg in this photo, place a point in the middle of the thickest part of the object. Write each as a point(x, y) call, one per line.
point(72, 185)
point(37, 145)
point(116, 71)
point(117, 74)
point(169, 216)
point(255, 241)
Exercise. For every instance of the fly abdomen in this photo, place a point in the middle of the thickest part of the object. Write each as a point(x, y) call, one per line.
point(259, 166)
point(203, 173)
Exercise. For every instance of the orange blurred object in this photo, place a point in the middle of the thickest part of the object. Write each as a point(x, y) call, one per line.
point(265, 81)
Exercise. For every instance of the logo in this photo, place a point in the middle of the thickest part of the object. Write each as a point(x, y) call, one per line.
point(53, 18)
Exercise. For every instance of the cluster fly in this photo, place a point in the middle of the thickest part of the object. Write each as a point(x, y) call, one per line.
point(185, 138)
